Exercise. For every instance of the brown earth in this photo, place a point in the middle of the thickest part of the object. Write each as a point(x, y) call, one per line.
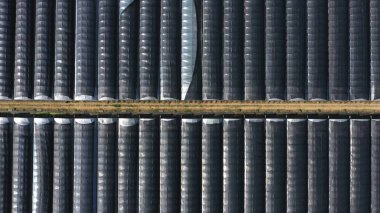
point(57, 108)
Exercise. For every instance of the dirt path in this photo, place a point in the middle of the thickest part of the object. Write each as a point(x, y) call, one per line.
point(59, 108)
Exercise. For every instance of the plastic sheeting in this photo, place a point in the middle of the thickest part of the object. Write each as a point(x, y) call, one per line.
point(191, 165)
point(195, 87)
point(170, 165)
point(44, 50)
point(170, 50)
point(128, 48)
point(375, 165)
point(359, 50)
point(62, 171)
point(206, 41)
point(254, 165)
point(317, 49)
point(85, 49)
point(6, 48)
point(149, 49)
point(254, 49)
point(338, 49)
point(339, 165)
point(64, 49)
point(212, 49)
point(5, 164)
point(318, 165)
point(84, 164)
point(22, 165)
point(296, 20)
point(212, 165)
point(233, 165)
point(107, 48)
point(190, 49)
point(275, 50)
point(127, 172)
point(360, 169)
point(275, 165)
point(149, 165)
point(107, 164)
point(375, 48)
point(23, 61)
point(124, 4)
point(42, 188)
point(296, 185)
point(233, 50)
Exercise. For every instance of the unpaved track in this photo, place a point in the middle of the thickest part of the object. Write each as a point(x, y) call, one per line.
point(196, 108)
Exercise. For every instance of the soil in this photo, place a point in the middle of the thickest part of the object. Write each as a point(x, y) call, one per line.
point(58, 108)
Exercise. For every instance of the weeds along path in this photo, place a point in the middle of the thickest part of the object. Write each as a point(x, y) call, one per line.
point(188, 108)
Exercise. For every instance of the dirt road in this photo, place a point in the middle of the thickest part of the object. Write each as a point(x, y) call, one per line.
point(72, 108)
